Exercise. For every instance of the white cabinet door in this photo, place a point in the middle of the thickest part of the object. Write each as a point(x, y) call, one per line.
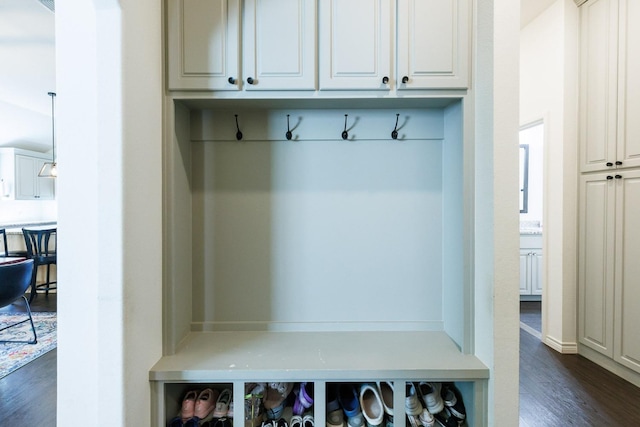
point(355, 44)
point(596, 262)
point(525, 276)
point(530, 272)
point(279, 45)
point(628, 141)
point(610, 85)
point(535, 260)
point(433, 44)
point(203, 40)
point(25, 178)
point(627, 288)
point(28, 185)
point(598, 84)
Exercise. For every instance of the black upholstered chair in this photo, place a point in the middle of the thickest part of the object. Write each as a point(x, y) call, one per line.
point(15, 279)
point(41, 247)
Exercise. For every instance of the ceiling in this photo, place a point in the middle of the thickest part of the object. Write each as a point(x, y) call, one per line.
point(27, 55)
point(530, 9)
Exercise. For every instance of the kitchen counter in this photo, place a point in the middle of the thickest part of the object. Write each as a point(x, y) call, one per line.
point(16, 228)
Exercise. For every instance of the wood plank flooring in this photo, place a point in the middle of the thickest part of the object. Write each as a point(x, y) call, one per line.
point(555, 389)
point(28, 395)
point(569, 390)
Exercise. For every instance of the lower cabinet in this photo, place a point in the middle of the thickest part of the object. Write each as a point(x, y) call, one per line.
point(609, 271)
point(531, 265)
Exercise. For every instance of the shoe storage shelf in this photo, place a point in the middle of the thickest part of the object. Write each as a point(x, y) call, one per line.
point(340, 254)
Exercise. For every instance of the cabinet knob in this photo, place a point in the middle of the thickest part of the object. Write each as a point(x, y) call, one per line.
point(231, 80)
point(618, 162)
point(405, 79)
point(618, 176)
point(385, 80)
point(609, 177)
point(250, 80)
point(609, 164)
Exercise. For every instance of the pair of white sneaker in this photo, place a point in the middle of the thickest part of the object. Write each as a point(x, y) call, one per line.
point(422, 415)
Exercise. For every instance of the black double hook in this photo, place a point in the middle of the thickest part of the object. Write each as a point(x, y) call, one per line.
point(345, 134)
point(394, 133)
point(238, 133)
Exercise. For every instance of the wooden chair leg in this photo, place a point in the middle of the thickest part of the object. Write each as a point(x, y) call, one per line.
point(48, 280)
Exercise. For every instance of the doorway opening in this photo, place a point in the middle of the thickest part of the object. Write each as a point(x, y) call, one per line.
point(531, 140)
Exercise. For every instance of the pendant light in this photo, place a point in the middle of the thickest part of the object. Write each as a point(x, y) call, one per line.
point(50, 169)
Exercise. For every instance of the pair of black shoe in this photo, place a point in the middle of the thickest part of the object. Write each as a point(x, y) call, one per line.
point(454, 412)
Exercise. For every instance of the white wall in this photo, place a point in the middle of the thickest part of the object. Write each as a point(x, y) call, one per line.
point(548, 91)
point(496, 267)
point(21, 211)
point(110, 208)
point(27, 55)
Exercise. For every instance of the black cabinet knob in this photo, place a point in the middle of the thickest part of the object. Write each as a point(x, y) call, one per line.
point(250, 80)
point(385, 80)
point(405, 79)
point(231, 80)
point(618, 176)
point(609, 164)
point(609, 177)
point(618, 162)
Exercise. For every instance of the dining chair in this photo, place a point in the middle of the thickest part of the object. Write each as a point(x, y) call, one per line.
point(41, 247)
point(3, 232)
point(15, 278)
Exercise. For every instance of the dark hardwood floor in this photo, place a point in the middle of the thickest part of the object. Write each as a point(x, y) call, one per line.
point(569, 390)
point(28, 395)
point(555, 389)
point(531, 314)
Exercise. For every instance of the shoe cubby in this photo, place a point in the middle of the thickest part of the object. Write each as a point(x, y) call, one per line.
point(318, 259)
point(217, 405)
point(278, 403)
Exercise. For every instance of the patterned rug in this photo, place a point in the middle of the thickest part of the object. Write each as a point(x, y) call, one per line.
point(16, 355)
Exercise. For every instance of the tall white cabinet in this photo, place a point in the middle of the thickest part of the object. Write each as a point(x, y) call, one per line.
point(609, 239)
point(609, 85)
point(293, 251)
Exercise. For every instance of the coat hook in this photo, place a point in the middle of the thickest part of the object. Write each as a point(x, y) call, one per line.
point(238, 134)
point(345, 134)
point(288, 134)
point(394, 134)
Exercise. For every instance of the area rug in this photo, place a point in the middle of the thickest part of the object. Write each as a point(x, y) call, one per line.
point(16, 355)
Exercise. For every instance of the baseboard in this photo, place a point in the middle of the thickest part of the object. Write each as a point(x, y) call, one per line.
point(610, 365)
point(561, 347)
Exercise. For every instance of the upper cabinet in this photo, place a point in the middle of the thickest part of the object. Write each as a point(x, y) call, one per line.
point(433, 44)
point(355, 44)
point(278, 49)
point(203, 40)
point(279, 39)
point(610, 85)
point(19, 175)
point(306, 45)
point(357, 40)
